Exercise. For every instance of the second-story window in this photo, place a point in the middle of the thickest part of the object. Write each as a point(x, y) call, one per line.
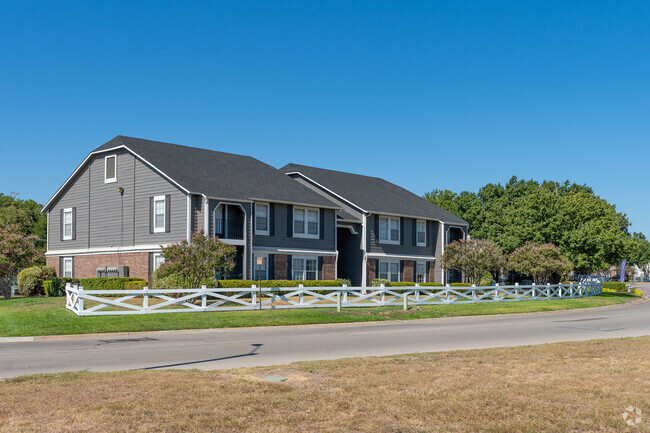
point(261, 218)
point(159, 214)
point(110, 169)
point(389, 230)
point(67, 224)
point(421, 233)
point(306, 222)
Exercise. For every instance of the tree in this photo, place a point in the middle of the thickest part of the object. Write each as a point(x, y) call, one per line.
point(16, 251)
point(198, 260)
point(26, 214)
point(473, 257)
point(540, 261)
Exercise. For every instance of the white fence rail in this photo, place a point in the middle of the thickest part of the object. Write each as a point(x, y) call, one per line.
point(113, 302)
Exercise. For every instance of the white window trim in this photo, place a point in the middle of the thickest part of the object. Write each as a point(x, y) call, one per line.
point(67, 259)
point(417, 240)
point(153, 214)
point(399, 266)
point(306, 233)
point(153, 264)
point(293, 258)
point(268, 220)
point(112, 179)
point(265, 267)
point(65, 211)
point(415, 277)
point(399, 231)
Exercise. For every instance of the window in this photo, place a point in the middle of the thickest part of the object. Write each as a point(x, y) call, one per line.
point(304, 268)
point(306, 223)
point(263, 269)
point(389, 271)
point(421, 233)
point(110, 169)
point(420, 272)
point(67, 267)
point(67, 224)
point(389, 230)
point(261, 219)
point(158, 260)
point(159, 214)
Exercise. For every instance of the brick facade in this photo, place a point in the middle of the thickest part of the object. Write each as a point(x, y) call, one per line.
point(409, 273)
point(86, 266)
point(280, 267)
point(371, 270)
point(329, 268)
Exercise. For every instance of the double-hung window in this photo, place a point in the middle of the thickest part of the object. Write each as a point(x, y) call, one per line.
point(306, 222)
point(389, 270)
point(159, 214)
point(110, 168)
point(304, 268)
point(421, 233)
point(158, 259)
point(261, 269)
point(67, 267)
point(389, 230)
point(67, 224)
point(261, 219)
point(420, 272)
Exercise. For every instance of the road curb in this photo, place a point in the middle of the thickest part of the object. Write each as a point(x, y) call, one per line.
point(644, 299)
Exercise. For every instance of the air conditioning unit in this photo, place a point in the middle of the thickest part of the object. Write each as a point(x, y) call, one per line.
point(112, 271)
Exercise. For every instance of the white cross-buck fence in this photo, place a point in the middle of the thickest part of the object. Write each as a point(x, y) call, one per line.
point(145, 301)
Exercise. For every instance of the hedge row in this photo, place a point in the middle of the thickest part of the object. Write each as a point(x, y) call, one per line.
point(241, 284)
point(618, 286)
point(56, 286)
point(115, 283)
point(377, 282)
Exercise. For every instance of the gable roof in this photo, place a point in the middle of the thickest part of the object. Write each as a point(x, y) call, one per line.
point(214, 174)
point(373, 194)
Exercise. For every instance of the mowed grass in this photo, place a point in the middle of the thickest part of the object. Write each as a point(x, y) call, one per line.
point(48, 316)
point(566, 387)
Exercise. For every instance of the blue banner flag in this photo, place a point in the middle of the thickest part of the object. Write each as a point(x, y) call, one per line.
point(623, 271)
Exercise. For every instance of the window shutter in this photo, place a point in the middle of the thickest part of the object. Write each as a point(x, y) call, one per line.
point(376, 270)
point(271, 219)
point(428, 269)
point(320, 268)
point(74, 223)
point(415, 271)
point(289, 268)
point(401, 270)
point(289, 221)
point(150, 215)
point(415, 232)
point(269, 265)
point(429, 233)
point(322, 224)
point(167, 209)
point(61, 223)
point(60, 267)
point(401, 231)
point(377, 231)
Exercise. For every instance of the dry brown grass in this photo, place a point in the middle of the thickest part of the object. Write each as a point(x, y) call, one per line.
point(568, 387)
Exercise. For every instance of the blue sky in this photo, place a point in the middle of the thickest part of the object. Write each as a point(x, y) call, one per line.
point(426, 94)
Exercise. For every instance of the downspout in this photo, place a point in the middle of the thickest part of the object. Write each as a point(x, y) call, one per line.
point(206, 216)
point(364, 268)
point(442, 251)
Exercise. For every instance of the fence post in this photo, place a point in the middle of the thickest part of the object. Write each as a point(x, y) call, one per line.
point(571, 289)
point(517, 291)
point(406, 301)
point(345, 294)
point(338, 302)
point(417, 292)
point(532, 292)
point(203, 297)
point(447, 292)
point(474, 292)
point(496, 292)
point(548, 290)
point(81, 298)
point(253, 295)
point(301, 294)
point(382, 296)
point(145, 298)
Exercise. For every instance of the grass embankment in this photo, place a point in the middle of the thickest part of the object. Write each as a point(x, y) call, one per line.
point(48, 316)
point(566, 387)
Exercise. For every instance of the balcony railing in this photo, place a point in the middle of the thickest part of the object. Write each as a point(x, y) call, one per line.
point(229, 229)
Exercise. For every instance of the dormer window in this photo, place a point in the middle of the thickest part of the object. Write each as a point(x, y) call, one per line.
point(110, 169)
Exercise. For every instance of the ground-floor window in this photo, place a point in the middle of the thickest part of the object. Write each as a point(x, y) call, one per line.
point(389, 270)
point(67, 271)
point(262, 269)
point(304, 268)
point(420, 272)
point(158, 260)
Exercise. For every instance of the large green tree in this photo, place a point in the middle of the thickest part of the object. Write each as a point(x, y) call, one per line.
point(586, 228)
point(26, 214)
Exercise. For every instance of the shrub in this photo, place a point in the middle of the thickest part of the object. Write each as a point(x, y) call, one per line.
point(633, 291)
point(614, 285)
point(227, 284)
point(410, 284)
point(56, 286)
point(460, 285)
point(30, 280)
point(486, 279)
point(135, 285)
point(115, 283)
point(377, 282)
point(344, 281)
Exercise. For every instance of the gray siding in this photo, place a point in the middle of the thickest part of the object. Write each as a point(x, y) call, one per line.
point(374, 246)
point(346, 207)
point(282, 240)
point(350, 263)
point(212, 204)
point(439, 239)
point(197, 213)
point(106, 218)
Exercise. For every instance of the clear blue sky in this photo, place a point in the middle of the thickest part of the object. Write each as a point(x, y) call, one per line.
point(426, 94)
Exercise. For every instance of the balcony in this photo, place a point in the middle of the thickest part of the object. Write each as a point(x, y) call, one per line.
point(229, 229)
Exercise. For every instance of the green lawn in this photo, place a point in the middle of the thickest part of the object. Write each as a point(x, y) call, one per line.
point(48, 316)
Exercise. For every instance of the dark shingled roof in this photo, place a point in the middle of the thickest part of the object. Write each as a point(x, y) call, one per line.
point(220, 174)
point(373, 194)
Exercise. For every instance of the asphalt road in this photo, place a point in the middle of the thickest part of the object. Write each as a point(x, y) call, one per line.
point(217, 349)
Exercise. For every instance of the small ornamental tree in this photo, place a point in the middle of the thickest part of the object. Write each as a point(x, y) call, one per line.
point(540, 261)
point(197, 261)
point(473, 257)
point(17, 251)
